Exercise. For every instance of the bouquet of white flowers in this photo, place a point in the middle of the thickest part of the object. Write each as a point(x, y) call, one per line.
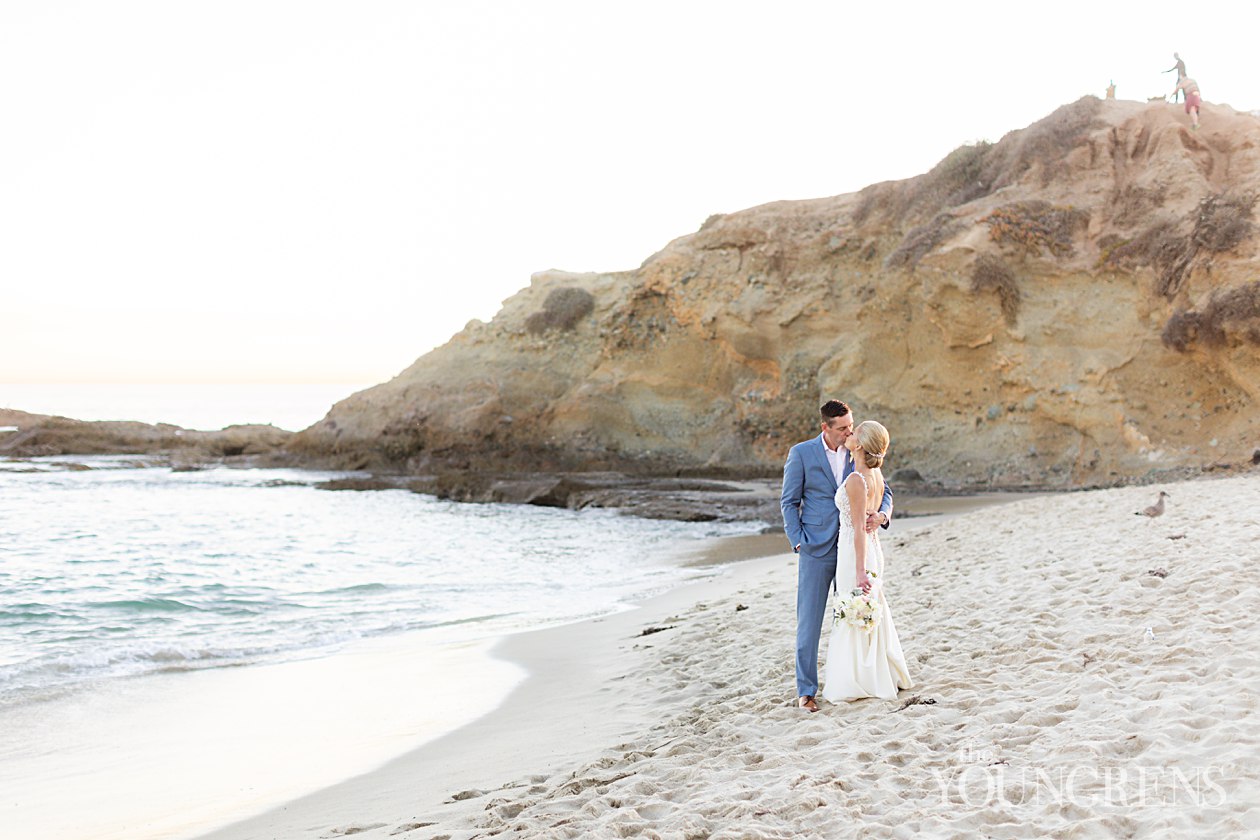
point(860, 609)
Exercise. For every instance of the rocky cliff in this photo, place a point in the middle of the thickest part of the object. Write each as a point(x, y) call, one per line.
point(1077, 304)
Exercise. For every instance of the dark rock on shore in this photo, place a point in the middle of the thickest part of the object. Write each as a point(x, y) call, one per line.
point(40, 435)
point(652, 498)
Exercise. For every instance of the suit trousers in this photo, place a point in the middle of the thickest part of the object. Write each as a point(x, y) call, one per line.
point(814, 577)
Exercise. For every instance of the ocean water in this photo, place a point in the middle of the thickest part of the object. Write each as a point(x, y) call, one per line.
point(182, 649)
point(114, 572)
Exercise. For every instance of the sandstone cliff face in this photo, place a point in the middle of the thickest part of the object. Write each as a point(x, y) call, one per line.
point(1076, 304)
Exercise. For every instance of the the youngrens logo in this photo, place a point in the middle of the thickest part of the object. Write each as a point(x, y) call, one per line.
point(979, 779)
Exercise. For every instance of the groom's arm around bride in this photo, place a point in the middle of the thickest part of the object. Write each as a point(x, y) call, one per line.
point(811, 475)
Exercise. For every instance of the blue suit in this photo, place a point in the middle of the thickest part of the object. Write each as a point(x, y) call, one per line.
point(812, 521)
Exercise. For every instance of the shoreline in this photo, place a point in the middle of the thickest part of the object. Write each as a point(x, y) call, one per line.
point(1031, 666)
point(227, 742)
point(568, 676)
point(557, 717)
point(118, 734)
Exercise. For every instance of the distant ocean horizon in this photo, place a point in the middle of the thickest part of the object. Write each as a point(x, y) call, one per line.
point(291, 406)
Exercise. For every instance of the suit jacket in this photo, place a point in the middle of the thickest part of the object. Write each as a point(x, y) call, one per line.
point(810, 517)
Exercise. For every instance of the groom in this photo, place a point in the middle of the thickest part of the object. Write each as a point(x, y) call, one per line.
point(814, 471)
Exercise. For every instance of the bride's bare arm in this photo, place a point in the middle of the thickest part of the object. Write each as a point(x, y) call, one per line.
point(856, 490)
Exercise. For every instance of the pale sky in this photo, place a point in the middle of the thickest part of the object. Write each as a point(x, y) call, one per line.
point(305, 191)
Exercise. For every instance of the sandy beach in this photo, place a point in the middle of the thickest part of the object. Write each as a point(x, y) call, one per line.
point(1080, 672)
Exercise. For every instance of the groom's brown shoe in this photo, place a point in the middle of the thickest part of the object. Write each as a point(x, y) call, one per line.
point(807, 702)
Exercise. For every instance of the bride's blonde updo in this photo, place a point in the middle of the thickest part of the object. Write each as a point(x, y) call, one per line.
point(873, 438)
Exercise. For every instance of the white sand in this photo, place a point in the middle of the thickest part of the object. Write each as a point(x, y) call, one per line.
point(1055, 714)
point(152, 758)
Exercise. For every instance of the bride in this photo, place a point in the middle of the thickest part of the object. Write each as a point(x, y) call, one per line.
point(863, 662)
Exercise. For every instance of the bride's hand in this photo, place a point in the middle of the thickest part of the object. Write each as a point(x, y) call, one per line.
point(864, 582)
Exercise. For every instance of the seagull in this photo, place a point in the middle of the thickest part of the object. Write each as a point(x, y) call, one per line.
point(1156, 509)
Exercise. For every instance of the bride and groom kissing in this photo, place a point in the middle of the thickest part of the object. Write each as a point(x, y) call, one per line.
point(835, 502)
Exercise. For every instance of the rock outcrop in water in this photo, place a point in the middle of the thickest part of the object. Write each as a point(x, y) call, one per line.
point(26, 435)
point(1076, 304)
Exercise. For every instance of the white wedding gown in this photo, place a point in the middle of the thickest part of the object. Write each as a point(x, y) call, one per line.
point(861, 664)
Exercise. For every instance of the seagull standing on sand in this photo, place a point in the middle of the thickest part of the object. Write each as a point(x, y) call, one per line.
point(1156, 509)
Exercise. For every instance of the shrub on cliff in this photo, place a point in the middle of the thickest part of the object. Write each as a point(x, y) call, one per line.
point(921, 240)
point(1220, 223)
point(1146, 248)
point(1160, 246)
point(1235, 310)
point(1048, 141)
point(992, 274)
point(1035, 225)
point(960, 177)
point(562, 309)
point(1223, 222)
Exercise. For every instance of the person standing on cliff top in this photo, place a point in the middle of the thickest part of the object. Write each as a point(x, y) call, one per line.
point(1180, 67)
point(1191, 88)
point(813, 474)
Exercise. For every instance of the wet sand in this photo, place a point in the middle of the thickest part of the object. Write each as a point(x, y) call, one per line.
point(590, 686)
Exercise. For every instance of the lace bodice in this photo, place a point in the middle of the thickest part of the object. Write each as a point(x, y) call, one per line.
point(862, 662)
point(842, 503)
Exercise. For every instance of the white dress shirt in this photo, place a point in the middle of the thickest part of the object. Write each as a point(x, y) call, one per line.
point(835, 460)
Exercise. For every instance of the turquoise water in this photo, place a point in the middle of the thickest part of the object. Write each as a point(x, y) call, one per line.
point(112, 572)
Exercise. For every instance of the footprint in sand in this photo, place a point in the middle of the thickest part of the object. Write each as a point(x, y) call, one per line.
point(354, 829)
point(510, 810)
point(653, 811)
